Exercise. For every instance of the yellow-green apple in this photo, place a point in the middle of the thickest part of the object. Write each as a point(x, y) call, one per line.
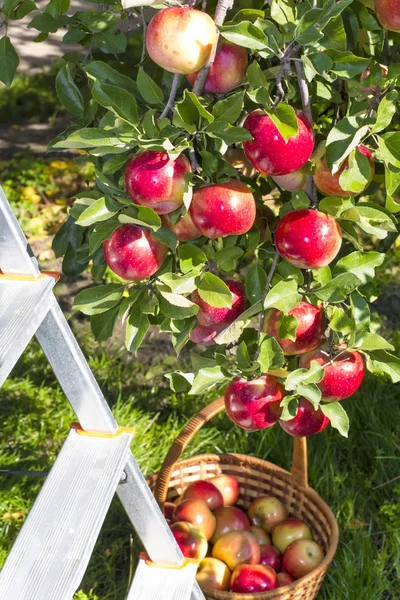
point(311, 324)
point(206, 491)
point(307, 420)
point(284, 579)
point(237, 547)
point(198, 514)
point(209, 316)
point(184, 229)
point(155, 180)
point(329, 185)
point(308, 239)
point(388, 13)
point(181, 40)
point(254, 404)
point(342, 375)
point(229, 518)
point(301, 557)
point(228, 69)
point(267, 512)
point(134, 253)
point(190, 539)
point(223, 209)
point(228, 485)
point(289, 531)
point(270, 556)
point(249, 579)
point(260, 534)
point(268, 151)
point(214, 574)
point(292, 182)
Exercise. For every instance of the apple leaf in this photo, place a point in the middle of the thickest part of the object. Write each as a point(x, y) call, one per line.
point(338, 288)
point(180, 284)
point(361, 264)
point(214, 291)
point(284, 117)
point(119, 101)
point(206, 379)
point(304, 376)
point(360, 311)
point(148, 88)
point(141, 215)
point(323, 275)
point(245, 34)
point(68, 92)
point(287, 326)
point(373, 341)
point(289, 271)
point(343, 138)
point(357, 176)
point(176, 306)
point(381, 362)
point(101, 209)
point(229, 109)
point(190, 257)
point(179, 381)
point(9, 61)
point(227, 257)
point(386, 111)
point(311, 392)
point(103, 324)
point(336, 206)
point(270, 356)
point(255, 281)
point(389, 148)
point(136, 328)
point(290, 405)
point(337, 416)
point(233, 332)
point(283, 296)
point(339, 321)
point(99, 299)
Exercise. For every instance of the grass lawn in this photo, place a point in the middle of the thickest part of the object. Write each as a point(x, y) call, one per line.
point(359, 477)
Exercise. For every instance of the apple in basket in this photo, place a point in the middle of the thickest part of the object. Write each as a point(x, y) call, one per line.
point(301, 557)
point(253, 578)
point(191, 540)
point(267, 512)
point(229, 518)
point(198, 514)
point(214, 574)
point(260, 534)
point(289, 531)
point(237, 547)
point(206, 491)
point(228, 485)
point(270, 556)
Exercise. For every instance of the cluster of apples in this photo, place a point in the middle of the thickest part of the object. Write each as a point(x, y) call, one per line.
point(254, 552)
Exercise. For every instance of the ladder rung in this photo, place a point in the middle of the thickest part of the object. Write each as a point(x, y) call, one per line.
point(52, 551)
point(23, 306)
point(153, 582)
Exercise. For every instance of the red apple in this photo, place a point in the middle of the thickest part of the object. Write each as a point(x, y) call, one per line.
point(169, 508)
point(388, 13)
point(228, 485)
point(270, 556)
point(228, 69)
point(134, 253)
point(301, 557)
point(198, 514)
point(292, 182)
point(269, 153)
point(311, 324)
point(223, 209)
point(237, 547)
point(229, 518)
point(260, 534)
point(329, 185)
point(184, 229)
point(181, 40)
point(307, 421)
point(155, 180)
point(206, 491)
point(342, 375)
point(209, 316)
point(254, 404)
point(284, 579)
point(214, 574)
point(289, 531)
point(206, 335)
point(308, 239)
point(267, 512)
point(191, 540)
point(253, 578)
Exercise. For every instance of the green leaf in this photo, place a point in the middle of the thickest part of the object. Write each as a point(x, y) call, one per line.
point(340, 321)
point(99, 299)
point(190, 257)
point(381, 362)
point(214, 291)
point(310, 391)
point(338, 288)
point(255, 75)
point(167, 237)
point(227, 257)
point(100, 210)
point(361, 264)
point(118, 100)
point(201, 110)
point(344, 137)
point(290, 405)
point(283, 296)
point(337, 416)
point(9, 61)
point(206, 379)
point(243, 357)
point(323, 275)
point(179, 381)
point(148, 88)
point(386, 111)
point(335, 206)
point(89, 138)
point(358, 174)
point(360, 311)
point(180, 284)
point(141, 215)
point(346, 64)
point(46, 23)
point(228, 134)
point(56, 8)
point(245, 34)
point(374, 218)
point(100, 233)
point(287, 326)
point(229, 109)
point(176, 306)
point(284, 117)
point(290, 271)
point(304, 376)
point(256, 279)
point(102, 72)
point(68, 92)
point(235, 329)
point(103, 324)
point(270, 354)
point(15, 9)
point(389, 148)
point(373, 341)
point(306, 31)
point(111, 41)
point(137, 326)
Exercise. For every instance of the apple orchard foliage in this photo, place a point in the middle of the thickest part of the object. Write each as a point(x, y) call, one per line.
point(115, 108)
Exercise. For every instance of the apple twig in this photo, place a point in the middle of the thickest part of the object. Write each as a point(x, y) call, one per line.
point(264, 295)
point(171, 100)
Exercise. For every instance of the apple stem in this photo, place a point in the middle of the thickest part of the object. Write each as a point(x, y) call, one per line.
point(171, 100)
point(265, 292)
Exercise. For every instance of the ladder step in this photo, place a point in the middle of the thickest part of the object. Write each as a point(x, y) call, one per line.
point(50, 556)
point(154, 582)
point(23, 305)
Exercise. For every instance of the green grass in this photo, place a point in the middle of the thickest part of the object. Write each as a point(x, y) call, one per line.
point(359, 477)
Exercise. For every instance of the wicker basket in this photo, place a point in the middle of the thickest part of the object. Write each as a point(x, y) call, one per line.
point(256, 478)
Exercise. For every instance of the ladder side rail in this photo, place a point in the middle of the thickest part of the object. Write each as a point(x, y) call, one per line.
point(16, 257)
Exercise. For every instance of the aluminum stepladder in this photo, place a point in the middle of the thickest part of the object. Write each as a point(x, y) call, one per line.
point(53, 548)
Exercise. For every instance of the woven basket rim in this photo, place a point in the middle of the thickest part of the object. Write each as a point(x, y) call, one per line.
point(309, 492)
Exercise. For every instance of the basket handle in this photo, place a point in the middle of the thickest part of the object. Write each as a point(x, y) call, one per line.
point(299, 462)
